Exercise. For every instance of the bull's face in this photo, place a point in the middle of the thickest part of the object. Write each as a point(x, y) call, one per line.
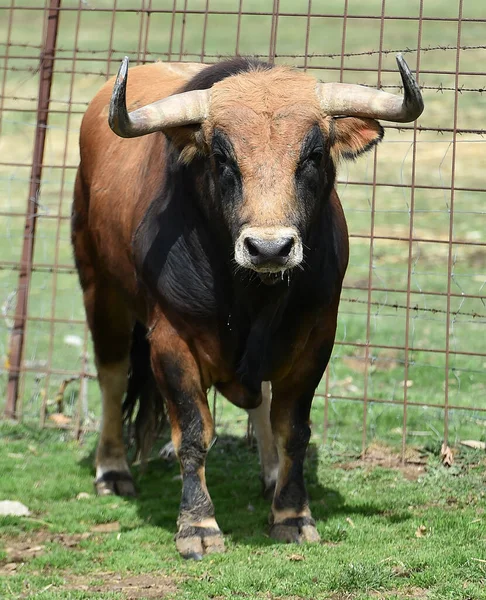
point(269, 139)
point(272, 154)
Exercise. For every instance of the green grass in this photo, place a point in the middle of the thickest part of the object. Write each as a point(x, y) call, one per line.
point(368, 518)
point(59, 295)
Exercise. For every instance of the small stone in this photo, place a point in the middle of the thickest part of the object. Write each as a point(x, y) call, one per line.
point(13, 508)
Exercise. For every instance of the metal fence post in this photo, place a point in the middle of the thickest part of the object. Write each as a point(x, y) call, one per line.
point(46, 68)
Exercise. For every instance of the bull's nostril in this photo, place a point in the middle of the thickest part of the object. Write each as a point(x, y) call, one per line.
point(251, 247)
point(286, 248)
point(276, 251)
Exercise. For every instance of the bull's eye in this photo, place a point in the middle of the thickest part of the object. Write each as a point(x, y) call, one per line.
point(312, 151)
point(314, 158)
point(221, 159)
point(224, 163)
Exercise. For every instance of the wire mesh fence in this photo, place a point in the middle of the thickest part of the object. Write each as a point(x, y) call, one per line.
point(409, 360)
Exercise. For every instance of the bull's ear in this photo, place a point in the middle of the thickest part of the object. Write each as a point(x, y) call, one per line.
point(188, 139)
point(351, 136)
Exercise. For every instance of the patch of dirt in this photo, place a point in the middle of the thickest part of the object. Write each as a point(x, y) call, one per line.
point(153, 585)
point(22, 548)
point(378, 455)
point(409, 593)
point(413, 593)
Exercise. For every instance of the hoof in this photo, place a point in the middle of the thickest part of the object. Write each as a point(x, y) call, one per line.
point(119, 483)
point(194, 542)
point(295, 531)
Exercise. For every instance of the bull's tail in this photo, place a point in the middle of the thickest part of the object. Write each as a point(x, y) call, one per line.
point(143, 407)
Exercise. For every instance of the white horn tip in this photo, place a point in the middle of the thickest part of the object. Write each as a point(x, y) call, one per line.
point(122, 71)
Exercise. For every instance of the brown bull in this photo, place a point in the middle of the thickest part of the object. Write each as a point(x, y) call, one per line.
point(218, 244)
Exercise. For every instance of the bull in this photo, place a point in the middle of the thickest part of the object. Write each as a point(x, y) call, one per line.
point(211, 247)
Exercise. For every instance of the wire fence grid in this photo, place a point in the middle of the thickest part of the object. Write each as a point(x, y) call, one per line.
point(409, 359)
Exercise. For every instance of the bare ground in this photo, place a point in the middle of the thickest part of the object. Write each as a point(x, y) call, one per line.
point(153, 585)
point(23, 548)
point(378, 455)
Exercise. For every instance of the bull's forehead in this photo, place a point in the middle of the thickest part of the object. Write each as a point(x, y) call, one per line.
point(265, 113)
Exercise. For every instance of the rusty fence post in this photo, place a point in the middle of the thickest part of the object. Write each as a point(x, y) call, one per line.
point(46, 67)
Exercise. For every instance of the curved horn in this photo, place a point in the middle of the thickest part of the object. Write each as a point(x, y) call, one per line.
point(187, 108)
point(358, 101)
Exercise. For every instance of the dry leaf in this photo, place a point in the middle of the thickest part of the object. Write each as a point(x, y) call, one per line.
point(447, 456)
point(421, 531)
point(474, 444)
point(296, 557)
point(350, 522)
point(106, 527)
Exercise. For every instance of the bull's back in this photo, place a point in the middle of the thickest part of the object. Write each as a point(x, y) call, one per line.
point(118, 178)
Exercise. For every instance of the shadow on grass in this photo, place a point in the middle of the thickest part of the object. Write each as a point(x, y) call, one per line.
point(232, 473)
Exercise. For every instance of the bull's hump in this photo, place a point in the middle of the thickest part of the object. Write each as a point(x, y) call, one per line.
point(184, 70)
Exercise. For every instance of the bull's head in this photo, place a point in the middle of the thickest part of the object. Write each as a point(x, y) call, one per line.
point(272, 138)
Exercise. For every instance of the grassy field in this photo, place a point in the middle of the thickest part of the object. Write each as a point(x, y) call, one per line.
point(57, 294)
point(397, 532)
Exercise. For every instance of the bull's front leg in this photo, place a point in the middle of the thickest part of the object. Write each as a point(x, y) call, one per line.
point(291, 519)
point(178, 377)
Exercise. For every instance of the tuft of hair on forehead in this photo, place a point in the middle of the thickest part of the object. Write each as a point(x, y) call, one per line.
point(265, 91)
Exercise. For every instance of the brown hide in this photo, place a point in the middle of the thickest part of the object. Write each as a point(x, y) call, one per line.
point(121, 176)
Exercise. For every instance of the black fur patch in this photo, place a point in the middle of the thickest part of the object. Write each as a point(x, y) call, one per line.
point(219, 71)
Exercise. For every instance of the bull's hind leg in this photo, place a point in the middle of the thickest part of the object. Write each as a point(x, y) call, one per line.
point(177, 374)
point(112, 472)
point(111, 326)
point(267, 451)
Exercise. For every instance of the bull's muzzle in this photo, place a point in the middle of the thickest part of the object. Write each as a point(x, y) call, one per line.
point(268, 249)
